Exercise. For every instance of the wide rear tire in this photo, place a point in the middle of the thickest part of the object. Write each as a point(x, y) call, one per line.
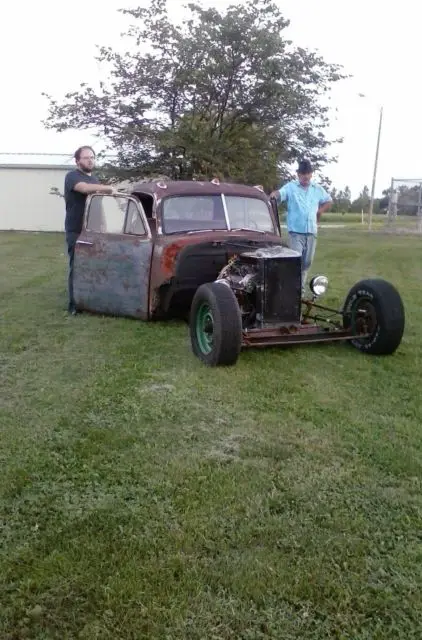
point(215, 325)
point(375, 306)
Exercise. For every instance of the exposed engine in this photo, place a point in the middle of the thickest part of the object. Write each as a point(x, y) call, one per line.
point(242, 277)
point(267, 285)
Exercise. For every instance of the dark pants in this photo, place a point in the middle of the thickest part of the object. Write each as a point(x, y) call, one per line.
point(71, 237)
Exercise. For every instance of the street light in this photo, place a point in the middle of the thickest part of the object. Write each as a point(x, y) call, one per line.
point(374, 177)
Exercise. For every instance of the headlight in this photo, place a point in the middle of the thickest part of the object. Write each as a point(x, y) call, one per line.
point(318, 285)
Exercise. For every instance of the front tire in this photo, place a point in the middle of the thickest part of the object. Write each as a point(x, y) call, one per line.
point(375, 307)
point(215, 325)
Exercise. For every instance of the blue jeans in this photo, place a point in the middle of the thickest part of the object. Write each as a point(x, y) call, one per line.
point(305, 244)
point(71, 237)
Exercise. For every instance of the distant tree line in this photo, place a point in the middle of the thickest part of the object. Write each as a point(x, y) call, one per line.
point(344, 203)
point(407, 200)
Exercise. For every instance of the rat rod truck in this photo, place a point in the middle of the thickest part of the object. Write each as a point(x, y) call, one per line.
point(213, 252)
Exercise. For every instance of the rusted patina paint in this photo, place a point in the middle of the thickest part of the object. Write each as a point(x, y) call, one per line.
point(111, 276)
point(294, 335)
point(169, 255)
point(168, 248)
point(185, 187)
point(123, 274)
point(172, 247)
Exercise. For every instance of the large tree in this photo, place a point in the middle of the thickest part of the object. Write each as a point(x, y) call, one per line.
point(220, 93)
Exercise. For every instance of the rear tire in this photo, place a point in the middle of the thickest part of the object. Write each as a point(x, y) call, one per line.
point(375, 306)
point(215, 325)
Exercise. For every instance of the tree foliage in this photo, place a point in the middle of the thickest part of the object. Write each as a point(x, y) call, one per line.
point(362, 201)
point(341, 200)
point(409, 199)
point(220, 93)
point(343, 203)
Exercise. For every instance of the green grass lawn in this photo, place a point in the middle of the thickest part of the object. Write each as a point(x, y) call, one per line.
point(144, 495)
point(379, 221)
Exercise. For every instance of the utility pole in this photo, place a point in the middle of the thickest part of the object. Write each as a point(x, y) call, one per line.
point(371, 204)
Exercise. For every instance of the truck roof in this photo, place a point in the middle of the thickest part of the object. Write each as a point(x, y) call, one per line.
point(163, 188)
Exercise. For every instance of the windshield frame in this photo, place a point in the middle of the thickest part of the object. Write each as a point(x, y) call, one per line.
point(229, 226)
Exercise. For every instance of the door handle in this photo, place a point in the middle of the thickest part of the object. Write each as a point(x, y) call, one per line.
point(90, 244)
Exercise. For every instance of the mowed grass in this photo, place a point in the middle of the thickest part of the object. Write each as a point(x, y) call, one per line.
point(144, 495)
point(380, 222)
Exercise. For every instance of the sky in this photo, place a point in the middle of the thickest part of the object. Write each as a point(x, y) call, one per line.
point(53, 48)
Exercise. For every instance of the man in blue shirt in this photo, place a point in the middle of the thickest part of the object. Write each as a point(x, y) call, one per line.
point(306, 201)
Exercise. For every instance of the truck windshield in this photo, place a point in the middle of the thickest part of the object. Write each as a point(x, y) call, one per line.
point(201, 213)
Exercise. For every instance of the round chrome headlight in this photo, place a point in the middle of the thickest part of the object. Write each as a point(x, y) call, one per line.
point(318, 285)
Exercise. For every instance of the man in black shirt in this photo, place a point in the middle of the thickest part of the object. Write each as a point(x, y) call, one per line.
point(77, 185)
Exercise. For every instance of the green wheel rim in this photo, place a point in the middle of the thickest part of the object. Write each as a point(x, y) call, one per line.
point(205, 328)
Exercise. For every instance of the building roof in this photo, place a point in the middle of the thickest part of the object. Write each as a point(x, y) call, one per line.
point(42, 160)
point(18, 158)
point(51, 167)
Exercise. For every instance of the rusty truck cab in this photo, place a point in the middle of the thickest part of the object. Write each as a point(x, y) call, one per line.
point(189, 251)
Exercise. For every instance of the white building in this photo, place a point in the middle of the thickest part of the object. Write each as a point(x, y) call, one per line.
point(26, 182)
point(25, 200)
